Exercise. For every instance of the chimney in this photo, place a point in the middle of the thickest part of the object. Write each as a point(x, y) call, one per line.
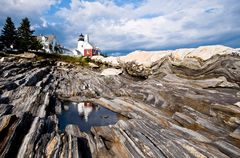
point(86, 38)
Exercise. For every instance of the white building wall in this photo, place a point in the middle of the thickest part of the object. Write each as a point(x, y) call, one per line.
point(82, 45)
point(86, 38)
point(46, 44)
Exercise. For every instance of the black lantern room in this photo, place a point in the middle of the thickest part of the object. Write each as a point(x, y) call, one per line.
point(81, 37)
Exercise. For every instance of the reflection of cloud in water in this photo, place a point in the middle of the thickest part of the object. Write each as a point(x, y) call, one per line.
point(86, 115)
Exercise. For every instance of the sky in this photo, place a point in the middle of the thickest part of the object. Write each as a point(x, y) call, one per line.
point(122, 25)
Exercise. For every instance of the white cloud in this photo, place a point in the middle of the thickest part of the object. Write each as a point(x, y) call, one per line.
point(149, 24)
point(35, 10)
point(153, 24)
point(44, 22)
point(18, 9)
point(24, 7)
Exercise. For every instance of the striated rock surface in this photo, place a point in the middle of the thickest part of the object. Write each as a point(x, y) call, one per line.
point(184, 105)
point(142, 62)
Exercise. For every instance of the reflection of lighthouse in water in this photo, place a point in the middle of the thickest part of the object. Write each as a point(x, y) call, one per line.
point(85, 108)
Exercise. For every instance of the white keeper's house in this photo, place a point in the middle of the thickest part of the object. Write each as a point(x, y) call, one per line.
point(48, 41)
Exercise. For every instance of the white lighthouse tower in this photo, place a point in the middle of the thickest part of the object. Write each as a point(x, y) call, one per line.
point(84, 47)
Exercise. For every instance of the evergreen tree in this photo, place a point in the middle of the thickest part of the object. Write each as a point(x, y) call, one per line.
point(9, 34)
point(1, 43)
point(35, 44)
point(25, 37)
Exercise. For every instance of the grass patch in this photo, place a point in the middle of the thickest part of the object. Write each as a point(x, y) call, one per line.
point(2, 54)
point(65, 58)
point(82, 61)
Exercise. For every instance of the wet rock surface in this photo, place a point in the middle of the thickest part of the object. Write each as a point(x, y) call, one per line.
point(177, 109)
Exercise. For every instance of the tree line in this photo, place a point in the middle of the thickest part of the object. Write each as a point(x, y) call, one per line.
point(21, 38)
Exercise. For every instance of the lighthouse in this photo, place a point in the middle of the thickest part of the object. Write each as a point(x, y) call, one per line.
point(84, 47)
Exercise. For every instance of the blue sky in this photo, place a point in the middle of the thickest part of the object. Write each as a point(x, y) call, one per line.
point(131, 24)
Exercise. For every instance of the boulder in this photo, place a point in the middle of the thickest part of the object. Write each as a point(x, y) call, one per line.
point(183, 119)
point(147, 58)
point(4, 121)
point(227, 148)
point(237, 104)
point(52, 146)
point(2, 60)
point(111, 72)
point(73, 130)
point(92, 65)
point(27, 55)
point(236, 133)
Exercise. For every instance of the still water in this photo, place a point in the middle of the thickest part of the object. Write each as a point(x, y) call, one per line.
point(85, 115)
